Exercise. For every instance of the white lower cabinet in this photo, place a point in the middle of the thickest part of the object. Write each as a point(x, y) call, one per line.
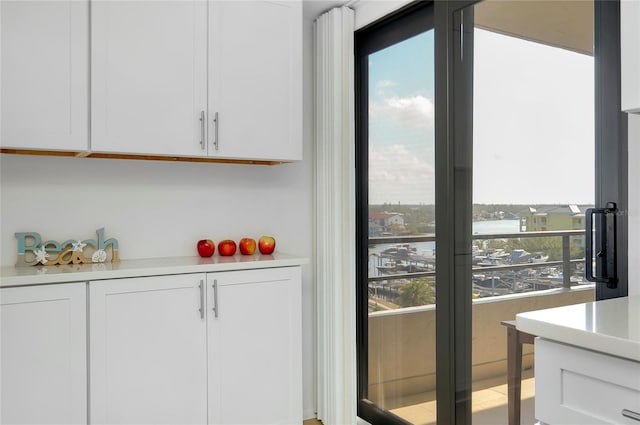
point(217, 348)
point(579, 386)
point(43, 371)
point(148, 351)
point(255, 354)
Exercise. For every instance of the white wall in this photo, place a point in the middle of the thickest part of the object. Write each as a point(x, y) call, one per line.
point(368, 11)
point(160, 209)
point(634, 204)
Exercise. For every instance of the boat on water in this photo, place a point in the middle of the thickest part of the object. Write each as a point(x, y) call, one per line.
point(489, 262)
point(539, 257)
point(400, 250)
point(519, 256)
point(388, 267)
point(496, 257)
point(392, 267)
point(499, 255)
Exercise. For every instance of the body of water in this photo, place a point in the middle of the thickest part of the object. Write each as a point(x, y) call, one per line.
point(427, 249)
point(495, 226)
point(479, 228)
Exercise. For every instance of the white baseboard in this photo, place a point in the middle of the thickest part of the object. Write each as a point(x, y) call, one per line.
point(309, 414)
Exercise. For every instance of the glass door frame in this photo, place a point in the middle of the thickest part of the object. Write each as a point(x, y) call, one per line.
point(405, 23)
point(611, 132)
point(454, 209)
point(454, 159)
point(454, 155)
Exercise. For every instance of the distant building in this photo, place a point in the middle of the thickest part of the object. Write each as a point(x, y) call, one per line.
point(386, 223)
point(555, 217)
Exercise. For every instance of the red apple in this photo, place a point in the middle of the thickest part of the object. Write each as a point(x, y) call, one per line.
point(247, 246)
point(227, 247)
point(267, 244)
point(206, 247)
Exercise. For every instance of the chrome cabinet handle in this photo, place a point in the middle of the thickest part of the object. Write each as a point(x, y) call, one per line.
point(216, 122)
point(202, 124)
point(201, 309)
point(215, 298)
point(631, 414)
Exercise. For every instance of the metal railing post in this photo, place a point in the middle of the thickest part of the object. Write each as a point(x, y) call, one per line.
point(566, 262)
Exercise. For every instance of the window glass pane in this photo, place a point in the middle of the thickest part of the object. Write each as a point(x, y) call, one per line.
point(402, 229)
point(533, 171)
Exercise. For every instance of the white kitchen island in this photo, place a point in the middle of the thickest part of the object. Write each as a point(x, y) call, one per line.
point(587, 362)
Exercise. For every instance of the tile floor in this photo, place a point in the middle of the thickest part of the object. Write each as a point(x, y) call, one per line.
point(489, 405)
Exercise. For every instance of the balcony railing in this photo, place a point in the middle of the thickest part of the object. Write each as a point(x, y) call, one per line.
point(565, 262)
point(401, 341)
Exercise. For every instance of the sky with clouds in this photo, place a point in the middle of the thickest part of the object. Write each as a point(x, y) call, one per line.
point(401, 122)
point(533, 123)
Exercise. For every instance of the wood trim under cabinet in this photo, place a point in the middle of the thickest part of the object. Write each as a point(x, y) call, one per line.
point(139, 157)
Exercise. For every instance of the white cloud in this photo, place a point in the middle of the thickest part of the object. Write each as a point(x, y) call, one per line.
point(415, 111)
point(398, 175)
point(382, 86)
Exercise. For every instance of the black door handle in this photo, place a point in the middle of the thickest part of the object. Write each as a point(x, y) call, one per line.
point(605, 240)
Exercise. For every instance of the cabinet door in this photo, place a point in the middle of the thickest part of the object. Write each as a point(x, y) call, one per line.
point(148, 351)
point(149, 78)
point(630, 54)
point(255, 370)
point(43, 370)
point(255, 69)
point(45, 75)
point(578, 386)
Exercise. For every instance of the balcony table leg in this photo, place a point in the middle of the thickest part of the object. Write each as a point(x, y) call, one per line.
point(515, 339)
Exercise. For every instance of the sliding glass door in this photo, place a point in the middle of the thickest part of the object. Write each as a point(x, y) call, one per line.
point(531, 129)
point(485, 132)
point(395, 65)
point(533, 180)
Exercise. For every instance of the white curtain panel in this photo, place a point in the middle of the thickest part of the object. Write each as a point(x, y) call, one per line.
point(335, 217)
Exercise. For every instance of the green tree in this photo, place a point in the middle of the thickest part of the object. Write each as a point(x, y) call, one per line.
point(417, 292)
point(497, 244)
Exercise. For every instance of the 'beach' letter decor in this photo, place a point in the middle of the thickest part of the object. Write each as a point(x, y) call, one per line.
point(32, 251)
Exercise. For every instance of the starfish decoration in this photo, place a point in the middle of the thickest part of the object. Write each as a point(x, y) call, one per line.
point(41, 255)
point(78, 246)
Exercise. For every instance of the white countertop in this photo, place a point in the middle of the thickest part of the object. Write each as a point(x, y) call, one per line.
point(38, 275)
point(609, 326)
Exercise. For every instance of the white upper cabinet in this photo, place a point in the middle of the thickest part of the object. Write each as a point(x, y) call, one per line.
point(185, 78)
point(255, 79)
point(45, 75)
point(221, 79)
point(149, 79)
point(630, 50)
